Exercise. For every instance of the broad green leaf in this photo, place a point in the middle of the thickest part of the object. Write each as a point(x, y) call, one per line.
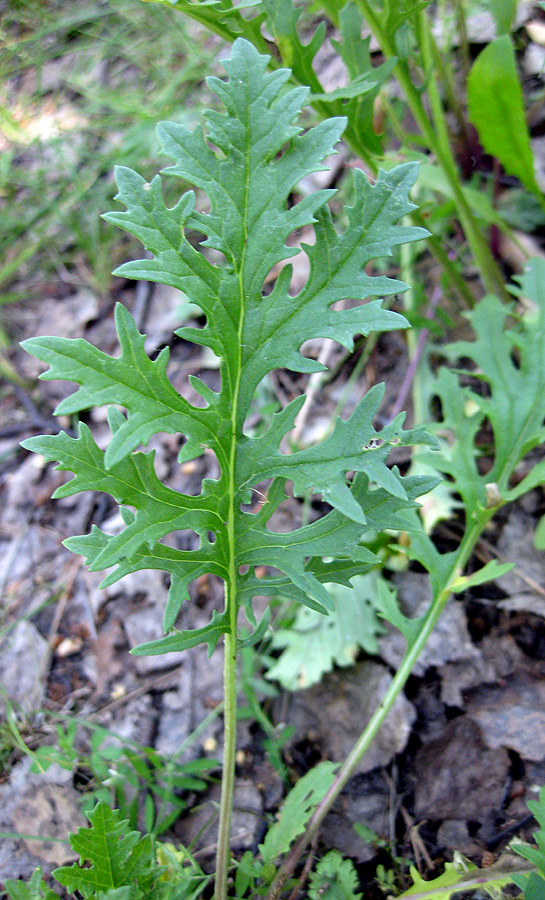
point(297, 810)
point(533, 885)
point(504, 13)
point(315, 643)
point(248, 163)
point(496, 108)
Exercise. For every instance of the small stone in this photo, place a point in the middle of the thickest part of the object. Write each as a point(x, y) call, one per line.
point(118, 690)
point(69, 647)
point(210, 745)
point(334, 713)
point(457, 777)
point(22, 659)
point(512, 715)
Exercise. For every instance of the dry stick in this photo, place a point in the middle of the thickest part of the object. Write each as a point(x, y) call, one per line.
point(306, 870)
point(314, 384)
point(413, 365)
point(73, 569)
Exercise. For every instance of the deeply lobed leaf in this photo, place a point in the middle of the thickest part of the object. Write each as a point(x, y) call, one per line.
point(248, 165)
point(119, 858)
point(509, 367)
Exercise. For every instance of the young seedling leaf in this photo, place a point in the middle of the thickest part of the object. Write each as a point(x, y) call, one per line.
point(118, 856)
point(297, 810)
point(334, 878)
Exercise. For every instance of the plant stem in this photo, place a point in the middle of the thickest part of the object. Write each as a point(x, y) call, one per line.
point(435, 136)
point(473, 531)
point(223, 855)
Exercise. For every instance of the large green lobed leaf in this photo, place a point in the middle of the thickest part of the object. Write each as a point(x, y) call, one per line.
point(248, 164)
point(507, 397)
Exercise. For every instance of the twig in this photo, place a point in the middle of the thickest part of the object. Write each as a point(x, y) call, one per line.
point(306, 870)
point(59, 612)
point(153, 683)
point(315, 382)
point(418, 845)
point(413, 365)
point(37, 421)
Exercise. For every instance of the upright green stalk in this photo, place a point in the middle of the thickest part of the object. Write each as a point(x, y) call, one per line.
point(223, 856)
point(436, 138)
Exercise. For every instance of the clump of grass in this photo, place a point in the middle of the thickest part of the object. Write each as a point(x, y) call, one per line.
point(84, 86)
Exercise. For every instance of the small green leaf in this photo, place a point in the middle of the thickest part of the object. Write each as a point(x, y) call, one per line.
point(117, 855)
point(334, 878)
point(490, 572)
point(296, 810)
point(356, 88)
point(496, 108)
point(508, 392)
point(183, 640)
point(35, 889)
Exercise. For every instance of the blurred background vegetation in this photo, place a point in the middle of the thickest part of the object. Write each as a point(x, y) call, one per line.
point(82, 87)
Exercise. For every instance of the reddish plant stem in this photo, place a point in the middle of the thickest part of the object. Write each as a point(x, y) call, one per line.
point(411, 369)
